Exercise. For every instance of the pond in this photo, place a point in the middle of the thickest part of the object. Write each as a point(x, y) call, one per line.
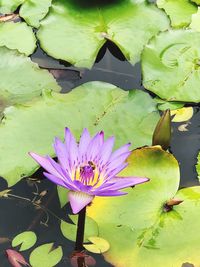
point(31, 121)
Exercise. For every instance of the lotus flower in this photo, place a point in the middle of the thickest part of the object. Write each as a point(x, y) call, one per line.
point(88, 168)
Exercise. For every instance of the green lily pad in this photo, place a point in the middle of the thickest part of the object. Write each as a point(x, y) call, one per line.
point(140, 230)
point(179, 11)
point(63, 195)
point(99, 245)
point(198, 166)
point(74, 31)
point(69, 230)
point(141, 206)
point(163, 105)
point(9, 6)
point(21, 79)
point(17, 36)
point(46, 255)
point(94, 105)
point(195, 23)
point(196, 1)
point(26, 240)
point(171, 66)
point(32, 11)
point(182, 114)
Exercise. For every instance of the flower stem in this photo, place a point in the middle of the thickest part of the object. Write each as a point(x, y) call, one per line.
point(80, 230)
point(81, 262)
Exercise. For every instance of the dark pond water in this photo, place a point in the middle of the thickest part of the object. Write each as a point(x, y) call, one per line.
point(18, 215)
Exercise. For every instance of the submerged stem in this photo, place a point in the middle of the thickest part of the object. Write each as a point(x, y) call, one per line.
point(80, 230)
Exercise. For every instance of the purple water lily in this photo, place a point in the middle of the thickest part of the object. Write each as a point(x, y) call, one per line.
point(89, 168)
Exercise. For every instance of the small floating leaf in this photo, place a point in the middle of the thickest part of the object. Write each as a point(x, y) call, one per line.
point(99, 245)
point(46, 256)
point(182, 114)
point(69, 230)
point(162, 132)
point(26, 240)
point(183, 127)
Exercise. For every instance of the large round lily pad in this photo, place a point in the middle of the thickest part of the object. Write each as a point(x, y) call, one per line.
point(171, 66)
point(21, 79)
point(140, 231)
point(75, 31)
point(179, 11)
point(17, 36)
point(96, 106)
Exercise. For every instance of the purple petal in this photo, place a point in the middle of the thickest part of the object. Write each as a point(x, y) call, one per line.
point(58, 168)
point(58, 181)
point(79, 200)
point(114, 167)
point(112, 164)
point(81, 187)
point(46, 164)
point(83, 144)
point(106, 150)
point(93, 150)
point(62, 154)
point(68, 137)
point(110, 174)
point(110, 193)
point(71, 147)
point(64, 174)
point(101, 187)
point(120, 151)
point(123, 182)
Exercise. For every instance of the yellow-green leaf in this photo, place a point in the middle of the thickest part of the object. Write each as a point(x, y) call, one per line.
point(26, 240)
point(99, 245)
point(46, 256)
point(182, 114)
